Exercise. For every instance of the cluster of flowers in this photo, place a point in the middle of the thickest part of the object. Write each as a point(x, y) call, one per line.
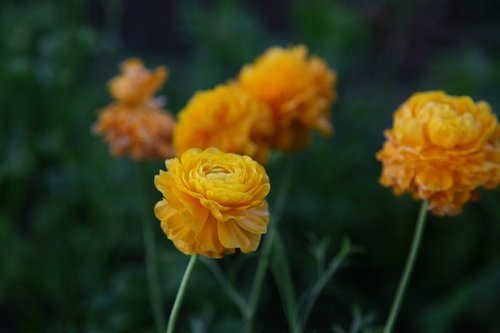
point(274, 104)
point(214, 198)
point(441, 148)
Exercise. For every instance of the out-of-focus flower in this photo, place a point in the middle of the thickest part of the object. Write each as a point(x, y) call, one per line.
point(214, 202)
point(298, 89)
point(141, 132)
point(442, 148)
point(136, 84)
point(136, 125)
point(226, 118)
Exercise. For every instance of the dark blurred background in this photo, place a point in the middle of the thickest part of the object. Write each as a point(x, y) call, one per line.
point(71, 215)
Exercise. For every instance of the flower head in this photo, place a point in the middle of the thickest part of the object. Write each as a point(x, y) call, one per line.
point(135, 84)
point(141, 132)
point(442, 148)
point(226, 118)
point(297, 88)
point(214, 202)
point(135, 124)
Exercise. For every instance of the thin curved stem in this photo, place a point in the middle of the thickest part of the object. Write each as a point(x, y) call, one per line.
point(410, 263)
point(180, 294)
point(225, 284)
point(152, 274)
point(284, 283)
point(267, 247)
point(309, 298)
point(150, 256)
point(259, 279)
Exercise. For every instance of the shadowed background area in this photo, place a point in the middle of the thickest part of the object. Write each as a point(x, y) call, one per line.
point(71, 215)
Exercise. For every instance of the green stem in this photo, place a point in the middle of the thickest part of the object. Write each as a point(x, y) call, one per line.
point(152, 274)
point(309, 298)
point(266, 249)
point(259, 279)
point(180, 294)
point(228, 287)
point(410, 263)
point(284, 283)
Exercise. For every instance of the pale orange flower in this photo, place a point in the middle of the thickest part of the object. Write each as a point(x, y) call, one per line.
point(136, 84)
point(214, 202)
point(299, 90)
point(442, 148)
point(135, 125)
point(142, 132)
point(226, 118)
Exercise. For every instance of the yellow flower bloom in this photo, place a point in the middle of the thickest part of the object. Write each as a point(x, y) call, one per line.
point(142, 132)
point(298, 89)
point(226, 118)
point(213, 203)
point(136, 84)
point(442, 148)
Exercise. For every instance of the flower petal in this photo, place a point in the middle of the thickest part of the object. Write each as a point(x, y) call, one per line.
point(232, 236)
point(208, 237)
point(253, 224)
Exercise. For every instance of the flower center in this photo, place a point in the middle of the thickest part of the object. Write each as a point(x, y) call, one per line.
point(216, 171)
point(448, 128)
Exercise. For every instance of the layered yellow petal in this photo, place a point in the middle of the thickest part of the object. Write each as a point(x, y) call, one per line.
point(298, 89)
point(214, 202)
point(226, 118)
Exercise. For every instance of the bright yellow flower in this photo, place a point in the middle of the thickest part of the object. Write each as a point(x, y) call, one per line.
point(136, 85)
point(226, 118)
point(442, 148)
point(142, 132)
point(213, 203)
point(298, 89)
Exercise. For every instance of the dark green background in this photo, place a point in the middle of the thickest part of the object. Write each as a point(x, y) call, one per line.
point(71, 215)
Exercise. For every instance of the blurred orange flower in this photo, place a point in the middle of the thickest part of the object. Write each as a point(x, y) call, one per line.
point(135, 124)
point(214, 202)
point(442, 148)
point(226, 118)
point(135, 84)
point(141, 132)
point(297, 88)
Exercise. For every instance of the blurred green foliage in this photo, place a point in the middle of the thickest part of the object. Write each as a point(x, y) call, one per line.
point(70, 214)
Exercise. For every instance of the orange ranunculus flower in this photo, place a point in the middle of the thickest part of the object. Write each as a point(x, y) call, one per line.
point(136, 84)
point(142, 132)
point(136, 125)
point(226, 118)
point(298, 89)
point(213, 202)
point(442, 148)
